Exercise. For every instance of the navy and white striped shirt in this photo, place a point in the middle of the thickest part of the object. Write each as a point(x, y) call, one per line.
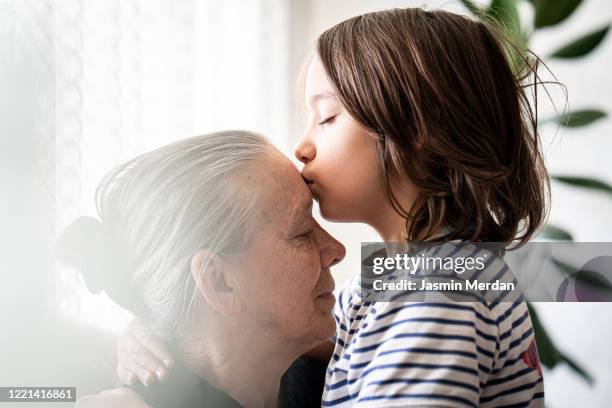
point(449, 354)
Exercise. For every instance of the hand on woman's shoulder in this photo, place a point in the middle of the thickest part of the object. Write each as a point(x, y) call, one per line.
point(116, 397)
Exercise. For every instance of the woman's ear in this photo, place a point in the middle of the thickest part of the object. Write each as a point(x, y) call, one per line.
point(216, 282)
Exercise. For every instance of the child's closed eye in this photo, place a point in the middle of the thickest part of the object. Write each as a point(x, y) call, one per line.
point(327, 120)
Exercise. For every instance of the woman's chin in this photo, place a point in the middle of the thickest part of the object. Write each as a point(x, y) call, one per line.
point(328, 329)
point(325, 326)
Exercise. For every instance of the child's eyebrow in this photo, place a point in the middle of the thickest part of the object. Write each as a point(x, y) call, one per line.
point(323, 95)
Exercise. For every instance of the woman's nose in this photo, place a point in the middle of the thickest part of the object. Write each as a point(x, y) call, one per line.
point(304, 150)
point(332, 251)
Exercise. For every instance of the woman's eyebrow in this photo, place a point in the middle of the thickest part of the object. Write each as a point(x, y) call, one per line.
point(306, 211)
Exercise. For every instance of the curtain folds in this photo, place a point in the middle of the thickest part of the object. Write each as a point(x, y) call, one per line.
point(92, 83)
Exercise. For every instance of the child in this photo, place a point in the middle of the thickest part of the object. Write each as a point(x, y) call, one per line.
point(418, 127)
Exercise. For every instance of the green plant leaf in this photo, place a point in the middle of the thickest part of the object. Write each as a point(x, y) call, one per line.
point(549, 355)
point(582, 45)
point(552, 12)
point(580, 117)
point(553, 232)
point(473, 8)
point(585, 182)
point(584, 277)
point(573, 365)
point(565, 269)
point(505, 12)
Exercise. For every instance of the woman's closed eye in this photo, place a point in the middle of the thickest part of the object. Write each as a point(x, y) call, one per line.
point(303, 236)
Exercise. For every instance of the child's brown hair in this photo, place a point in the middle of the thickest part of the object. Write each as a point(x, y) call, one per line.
point(438, 91)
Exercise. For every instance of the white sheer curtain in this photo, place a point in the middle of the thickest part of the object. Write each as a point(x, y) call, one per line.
point(113, 78)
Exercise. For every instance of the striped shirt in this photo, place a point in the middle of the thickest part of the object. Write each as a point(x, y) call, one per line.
point(443, 354)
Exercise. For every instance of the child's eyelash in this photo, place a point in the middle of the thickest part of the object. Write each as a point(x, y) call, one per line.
point(327, 120)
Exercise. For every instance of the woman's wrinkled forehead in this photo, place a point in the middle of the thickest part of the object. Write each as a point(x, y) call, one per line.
point(285, 197)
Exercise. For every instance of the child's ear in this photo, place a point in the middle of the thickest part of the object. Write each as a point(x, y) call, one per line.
point(215, 282)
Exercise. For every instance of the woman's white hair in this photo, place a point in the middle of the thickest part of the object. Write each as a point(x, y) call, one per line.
point(163, 206)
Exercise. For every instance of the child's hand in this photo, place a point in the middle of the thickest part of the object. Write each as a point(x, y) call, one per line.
point(142, 355)
point(116, 398)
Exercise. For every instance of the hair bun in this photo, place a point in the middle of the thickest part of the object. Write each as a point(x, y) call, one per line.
point(81, 246)
point(89, 247)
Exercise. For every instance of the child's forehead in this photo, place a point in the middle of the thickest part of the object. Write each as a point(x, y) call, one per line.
point(317, 82)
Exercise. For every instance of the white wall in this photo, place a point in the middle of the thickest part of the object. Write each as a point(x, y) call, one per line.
point(582, 330)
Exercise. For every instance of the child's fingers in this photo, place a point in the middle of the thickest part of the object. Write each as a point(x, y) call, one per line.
point(157, 348)
point(130, 365)
point(153, 343)
point(141, 355)
point(125, 376)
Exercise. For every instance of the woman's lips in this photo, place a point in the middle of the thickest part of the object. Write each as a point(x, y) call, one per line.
point(329, 290)
point(327, 298)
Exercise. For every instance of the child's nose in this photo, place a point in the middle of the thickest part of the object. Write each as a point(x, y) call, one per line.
point(304, 151)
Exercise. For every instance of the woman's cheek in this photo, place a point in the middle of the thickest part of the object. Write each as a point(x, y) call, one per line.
point(311, 261)
point(302, 263)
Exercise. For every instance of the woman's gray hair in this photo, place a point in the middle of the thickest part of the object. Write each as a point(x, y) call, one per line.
point(163, 206)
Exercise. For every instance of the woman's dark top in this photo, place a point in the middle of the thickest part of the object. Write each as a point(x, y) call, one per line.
point(301, 386)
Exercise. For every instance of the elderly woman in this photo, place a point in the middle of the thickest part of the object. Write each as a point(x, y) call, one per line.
point(212, 243)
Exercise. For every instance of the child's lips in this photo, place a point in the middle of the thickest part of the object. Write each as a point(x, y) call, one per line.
point(307, 176)
point(313, 188)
